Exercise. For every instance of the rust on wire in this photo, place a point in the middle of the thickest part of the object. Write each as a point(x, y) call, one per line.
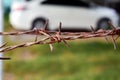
point(52, 37)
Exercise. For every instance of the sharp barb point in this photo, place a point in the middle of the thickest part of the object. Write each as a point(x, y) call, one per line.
point(46, 24)
point(106, 39)
point(3, 45)
point(111, 25)
point(114, 43)
point(36, 38)
point(117, 37)
point(65, 42)
point(92, 29)
point(51, 47)
point(60, 26)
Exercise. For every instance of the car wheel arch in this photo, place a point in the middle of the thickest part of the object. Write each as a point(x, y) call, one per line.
point(100, 20)
point(37, 19)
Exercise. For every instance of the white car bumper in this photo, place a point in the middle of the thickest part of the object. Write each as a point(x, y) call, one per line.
point(19, 21)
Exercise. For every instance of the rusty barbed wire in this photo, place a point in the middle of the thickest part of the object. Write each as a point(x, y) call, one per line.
point(52, 37)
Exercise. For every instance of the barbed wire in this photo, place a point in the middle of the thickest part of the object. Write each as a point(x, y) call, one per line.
point(52, 37)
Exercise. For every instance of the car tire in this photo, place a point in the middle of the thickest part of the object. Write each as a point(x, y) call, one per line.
point(38, 23)
point(103, 24)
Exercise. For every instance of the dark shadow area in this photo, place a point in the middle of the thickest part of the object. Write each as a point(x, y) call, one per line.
point(67, 3)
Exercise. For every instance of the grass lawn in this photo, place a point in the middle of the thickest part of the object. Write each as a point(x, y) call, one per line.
point(91, 59)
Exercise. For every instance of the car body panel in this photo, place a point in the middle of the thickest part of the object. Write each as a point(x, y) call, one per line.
point(72, 17)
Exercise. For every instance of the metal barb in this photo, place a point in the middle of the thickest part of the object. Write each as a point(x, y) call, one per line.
point(46, 25)
point(92, 29)
point(36, 38)
point(51, 47)
point(37, 32)
point(117, 37)
point(106, 39)
point(111, 25)
point(114, 43)
point(3, 45)
point(60, 27)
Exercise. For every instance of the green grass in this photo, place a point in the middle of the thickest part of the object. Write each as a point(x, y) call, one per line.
point(84, 60)
point(87, 60)
point(7, 26)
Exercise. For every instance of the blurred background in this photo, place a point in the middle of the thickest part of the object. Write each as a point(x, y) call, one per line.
point(109, 3)
point(90, 59)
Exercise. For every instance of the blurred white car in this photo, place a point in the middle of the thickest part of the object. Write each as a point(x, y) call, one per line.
point(74, 14)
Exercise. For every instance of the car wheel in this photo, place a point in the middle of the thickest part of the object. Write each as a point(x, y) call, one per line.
point(38, 23)
point(103, 24)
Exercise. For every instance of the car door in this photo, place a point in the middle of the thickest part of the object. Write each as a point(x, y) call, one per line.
point(56, 11)
point(81, 15)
